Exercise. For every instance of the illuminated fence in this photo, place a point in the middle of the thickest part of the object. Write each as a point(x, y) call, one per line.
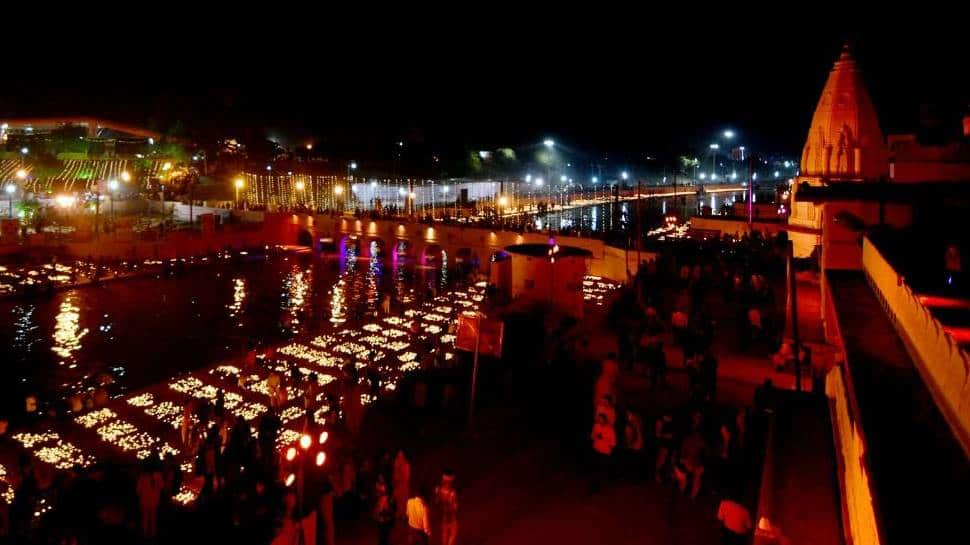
point(9, 168)
point(292, 190)
point(76, 175)
point(333, 192)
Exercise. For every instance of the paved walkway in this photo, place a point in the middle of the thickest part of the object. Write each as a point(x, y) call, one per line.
point(805, 501)
point(920, 473)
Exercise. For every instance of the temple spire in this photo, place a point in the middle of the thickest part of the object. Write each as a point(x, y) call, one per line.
point(845, 140)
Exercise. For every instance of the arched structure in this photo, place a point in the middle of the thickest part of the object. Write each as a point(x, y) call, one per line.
point(304, 238)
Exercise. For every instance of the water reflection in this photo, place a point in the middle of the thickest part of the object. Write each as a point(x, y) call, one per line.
point(296, 291)
point(159, 326)
point(25, 332)
point(338, 311)
point(67, 331)
point(238, 298)
point(443, 281)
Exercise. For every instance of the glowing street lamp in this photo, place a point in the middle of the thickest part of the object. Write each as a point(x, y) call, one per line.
point(338, 190)
point(22, 174)
point(503, 201)
point(298, 459)
point(125, 177)
point(625, 175)
point(539, 182)
point(549, 143)
point(300, 185)
point(239, 184)
point(112, 188)
point(729, 134)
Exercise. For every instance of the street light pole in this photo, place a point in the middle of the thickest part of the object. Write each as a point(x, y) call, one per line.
point(11, 189)
point(238, 185)
point(97, 210)
point(471, 402)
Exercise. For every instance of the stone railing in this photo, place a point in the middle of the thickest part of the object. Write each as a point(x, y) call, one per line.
point(859, 516)
point(944, 366)
point(859, 511)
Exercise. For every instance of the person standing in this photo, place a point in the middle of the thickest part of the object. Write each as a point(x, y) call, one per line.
point(383, 511)
point(401, 481)
point(690, 466)
point(604, 441)
point(419, 522)
point(664, 433)
point(446, 502)
point(633, 443)
point(149, 489)
point(606, 382)
point(735, 521)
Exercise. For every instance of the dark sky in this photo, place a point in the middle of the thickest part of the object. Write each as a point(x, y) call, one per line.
point(639, 84)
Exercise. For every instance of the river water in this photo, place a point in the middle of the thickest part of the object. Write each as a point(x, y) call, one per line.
point(146, 329)
point(615, 216)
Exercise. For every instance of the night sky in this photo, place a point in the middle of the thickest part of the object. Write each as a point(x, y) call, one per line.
point(627, 88)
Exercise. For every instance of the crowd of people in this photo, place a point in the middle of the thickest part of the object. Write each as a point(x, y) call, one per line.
point(699, 445)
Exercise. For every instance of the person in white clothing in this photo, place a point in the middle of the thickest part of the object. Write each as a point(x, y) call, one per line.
point(419, 523)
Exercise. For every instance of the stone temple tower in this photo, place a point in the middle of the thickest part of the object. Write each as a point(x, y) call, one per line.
point(844, 145)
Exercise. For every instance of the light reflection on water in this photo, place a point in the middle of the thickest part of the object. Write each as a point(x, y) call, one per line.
point(155, 327)
point(607, 216)
point(67, 331)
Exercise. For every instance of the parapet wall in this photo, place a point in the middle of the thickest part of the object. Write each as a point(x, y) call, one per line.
point(944, 366)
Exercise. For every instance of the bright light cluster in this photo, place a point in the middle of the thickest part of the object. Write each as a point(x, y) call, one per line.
point(286, 437)
point(60, 454)
point(96, 418)
point(226, 370)
point(250, 411)
point(291, 413)
point(186, 385)
point(167, 412)
point(304, 352)
point(142, 400)
point(28, 440)
point(595, 289)
point(185, 496)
